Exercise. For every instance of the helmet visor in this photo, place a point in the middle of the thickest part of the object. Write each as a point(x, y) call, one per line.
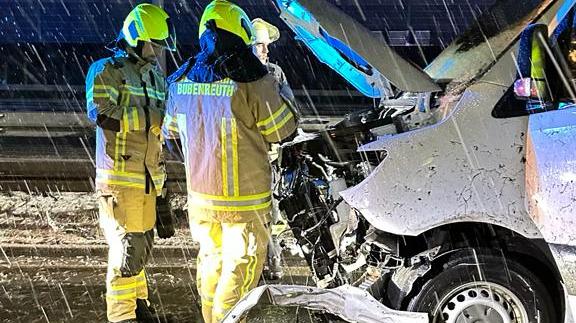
point(170, 41)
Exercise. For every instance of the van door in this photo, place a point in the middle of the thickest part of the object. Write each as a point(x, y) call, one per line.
point(544, 91)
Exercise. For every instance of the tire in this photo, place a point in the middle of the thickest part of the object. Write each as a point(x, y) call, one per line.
point(480, 287)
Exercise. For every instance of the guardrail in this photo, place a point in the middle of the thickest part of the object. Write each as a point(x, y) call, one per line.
point(46, 140)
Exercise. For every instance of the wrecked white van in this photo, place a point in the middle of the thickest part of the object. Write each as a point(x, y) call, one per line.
point(460, 203)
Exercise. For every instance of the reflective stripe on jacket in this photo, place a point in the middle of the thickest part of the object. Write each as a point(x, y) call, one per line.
point(126, 101)
point(226, 128)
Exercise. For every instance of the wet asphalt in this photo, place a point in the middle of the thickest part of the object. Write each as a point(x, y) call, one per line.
point(39, 284)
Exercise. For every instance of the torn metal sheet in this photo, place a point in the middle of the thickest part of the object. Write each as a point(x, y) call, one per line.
point(350, 303)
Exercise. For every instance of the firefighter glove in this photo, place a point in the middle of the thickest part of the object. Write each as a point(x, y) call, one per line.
point(165, 221)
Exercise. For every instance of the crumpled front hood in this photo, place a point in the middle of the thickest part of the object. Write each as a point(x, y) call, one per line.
point(350, 49)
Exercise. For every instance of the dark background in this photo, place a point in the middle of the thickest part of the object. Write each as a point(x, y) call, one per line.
point(53, 42)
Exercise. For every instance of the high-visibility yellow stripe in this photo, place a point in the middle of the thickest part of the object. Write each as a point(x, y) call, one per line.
point(122, 297)
point(278, 125)
point(117, 152)
point(121, 183)
point(231, 198)
point(153, 95)
point(131, 89)
point(139, 91)
point(235, 158)
point(234, 208)
point(118, 179)
point(107, 88)
point(135, 118)
point(249, 277)
point(273, 116)
point(125, 120)
point(139, 283)
point(157, 94)
point(102, 177)
point(129, 177)
point(200, 201)
point(104, 96)
point(277, 120)
point(224, 158)
point(123, 174)
point(103, 92)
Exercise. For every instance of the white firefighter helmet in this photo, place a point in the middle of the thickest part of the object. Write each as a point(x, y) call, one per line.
point(265, 32)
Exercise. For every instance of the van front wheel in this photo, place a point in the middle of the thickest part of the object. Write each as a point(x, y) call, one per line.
point(476, 287)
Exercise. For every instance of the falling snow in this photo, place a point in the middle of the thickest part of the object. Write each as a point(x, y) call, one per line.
point(52, 250)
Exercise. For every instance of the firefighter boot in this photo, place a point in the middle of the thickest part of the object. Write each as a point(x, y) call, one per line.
point(273, 268)
point(147, 314)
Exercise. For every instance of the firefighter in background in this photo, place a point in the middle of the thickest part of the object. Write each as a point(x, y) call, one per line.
point(226, 109)
point(125, 99)
point(265, 34)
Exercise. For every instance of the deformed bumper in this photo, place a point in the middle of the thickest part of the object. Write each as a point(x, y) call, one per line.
point(350, 303)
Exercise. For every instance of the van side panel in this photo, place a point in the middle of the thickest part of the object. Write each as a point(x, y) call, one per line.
point(551, 174)
point(468, 167)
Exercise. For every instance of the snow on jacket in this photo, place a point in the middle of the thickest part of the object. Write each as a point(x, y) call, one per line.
point(125, 98)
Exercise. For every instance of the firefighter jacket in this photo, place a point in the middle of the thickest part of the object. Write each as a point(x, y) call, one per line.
point(278, 73)
point(226, 128)
point(125, 98)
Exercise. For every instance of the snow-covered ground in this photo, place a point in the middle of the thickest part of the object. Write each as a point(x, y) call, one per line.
point(65, 218)
point(53, 263)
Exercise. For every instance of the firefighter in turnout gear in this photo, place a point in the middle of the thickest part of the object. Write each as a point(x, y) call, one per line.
point(226, 109)
point(125, 97)
point(265, 34)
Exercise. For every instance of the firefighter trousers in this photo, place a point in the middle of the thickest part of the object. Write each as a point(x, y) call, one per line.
point(127, 218)
point(230, 263)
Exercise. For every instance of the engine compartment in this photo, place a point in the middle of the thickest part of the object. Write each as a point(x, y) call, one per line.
point(339, 245)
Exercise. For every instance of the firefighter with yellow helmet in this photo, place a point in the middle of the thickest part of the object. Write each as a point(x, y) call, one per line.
point(226, 109)
point(125, 97)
